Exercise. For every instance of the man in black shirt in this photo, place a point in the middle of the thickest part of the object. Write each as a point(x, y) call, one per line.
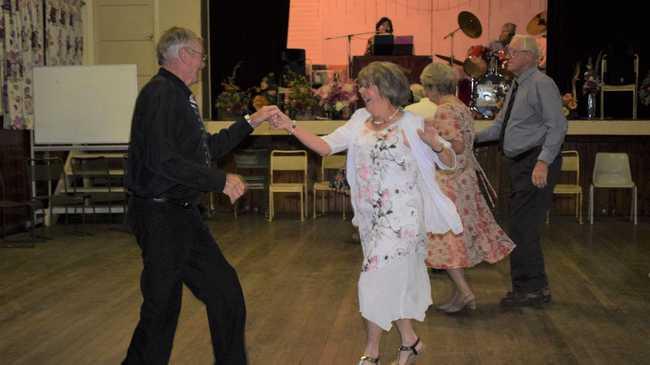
point(169, 166)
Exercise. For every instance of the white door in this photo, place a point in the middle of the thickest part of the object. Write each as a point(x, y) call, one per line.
point(124, 34)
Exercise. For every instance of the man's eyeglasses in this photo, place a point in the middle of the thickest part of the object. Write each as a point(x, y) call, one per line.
point(511, 52)
point(361, 84)
point(203, 56)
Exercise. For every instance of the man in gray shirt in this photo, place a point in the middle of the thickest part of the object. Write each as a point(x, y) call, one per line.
point(530, 130)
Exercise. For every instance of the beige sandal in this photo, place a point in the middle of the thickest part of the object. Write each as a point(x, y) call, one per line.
point(367, 359)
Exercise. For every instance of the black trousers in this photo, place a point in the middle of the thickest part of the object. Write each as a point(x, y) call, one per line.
point(528, 207)
point(177, 248)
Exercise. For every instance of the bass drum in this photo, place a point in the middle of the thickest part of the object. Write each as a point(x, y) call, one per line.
point(489, 93)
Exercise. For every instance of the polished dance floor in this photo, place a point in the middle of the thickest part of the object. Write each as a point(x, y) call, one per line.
point(75, 299)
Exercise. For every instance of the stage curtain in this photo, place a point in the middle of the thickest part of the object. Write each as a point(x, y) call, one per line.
point(251, 33)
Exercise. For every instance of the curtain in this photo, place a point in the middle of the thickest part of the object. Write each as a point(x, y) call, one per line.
point(252, 36)
point(64, 34)
point(24, 45)
point(21, 48)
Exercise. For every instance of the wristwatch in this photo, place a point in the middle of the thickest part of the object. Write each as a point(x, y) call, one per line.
point(249, 119)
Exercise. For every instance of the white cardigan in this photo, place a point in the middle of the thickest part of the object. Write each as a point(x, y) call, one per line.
point(440, 215)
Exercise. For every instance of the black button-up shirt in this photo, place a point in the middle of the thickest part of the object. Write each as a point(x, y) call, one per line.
point(169, 147)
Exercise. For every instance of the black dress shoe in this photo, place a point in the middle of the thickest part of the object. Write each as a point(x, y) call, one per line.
point(526, 299)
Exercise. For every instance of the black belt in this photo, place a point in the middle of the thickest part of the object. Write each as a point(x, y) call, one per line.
point(525, 154)
point(166, 200)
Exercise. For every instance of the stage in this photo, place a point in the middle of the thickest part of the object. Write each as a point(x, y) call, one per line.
point(75, 300)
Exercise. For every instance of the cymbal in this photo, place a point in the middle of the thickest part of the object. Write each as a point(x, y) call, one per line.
point(448, 59)
point(475, 67)
point(469, 24)
point(537, 25)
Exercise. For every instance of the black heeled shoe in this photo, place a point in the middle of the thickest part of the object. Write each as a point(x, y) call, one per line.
point(413, 353)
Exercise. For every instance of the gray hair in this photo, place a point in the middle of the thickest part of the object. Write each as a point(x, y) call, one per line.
point(389, 79)
point(171, 41)
point(439, 77)
point(526, 43)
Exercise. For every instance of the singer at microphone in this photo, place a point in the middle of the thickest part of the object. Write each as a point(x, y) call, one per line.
point(383, 26)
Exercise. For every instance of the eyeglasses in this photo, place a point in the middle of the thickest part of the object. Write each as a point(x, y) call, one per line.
point(511, 52)
point(203, 56)
point(361, 84)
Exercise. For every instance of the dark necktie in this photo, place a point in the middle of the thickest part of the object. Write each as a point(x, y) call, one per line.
point(204, 133)
point(506, 116)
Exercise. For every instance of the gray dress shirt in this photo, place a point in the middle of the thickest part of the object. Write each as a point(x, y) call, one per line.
point(536, 118)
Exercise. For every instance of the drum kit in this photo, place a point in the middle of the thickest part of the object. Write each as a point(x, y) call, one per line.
point(486, 68)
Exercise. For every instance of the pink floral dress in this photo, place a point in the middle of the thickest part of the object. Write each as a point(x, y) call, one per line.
point(482, 239)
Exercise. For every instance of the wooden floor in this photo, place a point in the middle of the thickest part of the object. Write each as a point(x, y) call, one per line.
point(75, 300)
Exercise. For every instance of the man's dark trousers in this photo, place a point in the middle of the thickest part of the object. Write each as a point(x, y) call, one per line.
point(528, 207)
point(177, 248)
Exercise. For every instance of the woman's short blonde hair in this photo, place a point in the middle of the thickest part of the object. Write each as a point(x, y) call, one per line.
point(440, 77)
point(171, 41)
point(389, 79)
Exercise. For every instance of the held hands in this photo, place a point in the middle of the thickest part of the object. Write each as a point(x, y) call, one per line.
point(431, 136)
point(235, 187)
point(281, 121)
point(266, 113)
point(540, 173)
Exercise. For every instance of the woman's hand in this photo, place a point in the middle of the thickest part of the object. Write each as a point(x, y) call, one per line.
point(431, 137)
point(282, 121)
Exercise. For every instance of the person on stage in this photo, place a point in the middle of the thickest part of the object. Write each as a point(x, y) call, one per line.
point(169, 166)
point(508, 30)
point(392, 158)
point(383, 26)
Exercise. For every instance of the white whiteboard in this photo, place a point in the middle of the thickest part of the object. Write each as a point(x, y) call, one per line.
point(76, 105)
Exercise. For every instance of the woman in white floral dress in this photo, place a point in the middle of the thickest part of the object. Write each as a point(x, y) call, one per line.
point(391, 166)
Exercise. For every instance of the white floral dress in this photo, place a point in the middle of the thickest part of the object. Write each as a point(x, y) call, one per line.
point(389, 178)
point(394, 282)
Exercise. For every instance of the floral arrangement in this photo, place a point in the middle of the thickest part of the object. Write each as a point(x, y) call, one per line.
point(569, 104)
point(591, 83)
point(266, 93)
point(644, 90)
point(300, 98)
point(232, 99)
point(338, 99)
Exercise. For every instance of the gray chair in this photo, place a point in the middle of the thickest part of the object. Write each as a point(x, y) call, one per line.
point(612, 171)
point(631, 88)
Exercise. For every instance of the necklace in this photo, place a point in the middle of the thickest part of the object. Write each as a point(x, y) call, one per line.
point(388, 120)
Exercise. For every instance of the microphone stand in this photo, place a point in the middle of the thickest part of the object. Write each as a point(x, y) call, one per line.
point(450, 35)
point(349, 47)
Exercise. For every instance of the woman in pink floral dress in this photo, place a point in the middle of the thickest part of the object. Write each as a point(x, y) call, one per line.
point(482, 239)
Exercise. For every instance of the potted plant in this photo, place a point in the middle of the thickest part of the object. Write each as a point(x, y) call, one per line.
point(301, 102)
point(266, 93)
point(569, 105)
point(338, 99)
point(232, 102)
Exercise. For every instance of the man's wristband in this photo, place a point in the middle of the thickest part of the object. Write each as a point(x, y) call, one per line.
point(438, 151)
